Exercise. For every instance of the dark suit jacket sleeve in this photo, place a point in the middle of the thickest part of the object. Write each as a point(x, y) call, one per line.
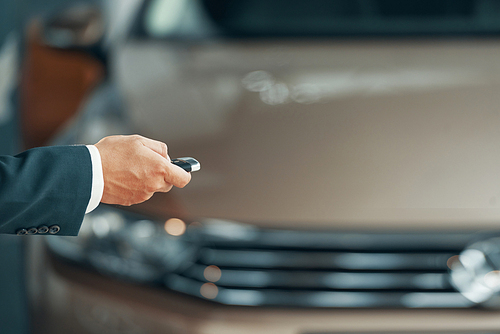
point(45, 187)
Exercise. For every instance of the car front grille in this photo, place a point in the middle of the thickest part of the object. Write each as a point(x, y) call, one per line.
point(239, 264)
point(325, 269)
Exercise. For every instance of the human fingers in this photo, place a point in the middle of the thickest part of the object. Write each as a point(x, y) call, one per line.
point(171, 175)
point(165, 188)
point(154, 145)
point(176, 176)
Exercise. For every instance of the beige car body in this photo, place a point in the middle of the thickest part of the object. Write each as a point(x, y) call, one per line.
point(363, 134)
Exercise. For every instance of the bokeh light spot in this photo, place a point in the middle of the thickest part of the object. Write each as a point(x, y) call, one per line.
point(209, 290)
point(212, 273)
point(175, 227)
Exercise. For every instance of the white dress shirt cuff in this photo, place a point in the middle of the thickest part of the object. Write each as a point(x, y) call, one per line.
point(97, 179)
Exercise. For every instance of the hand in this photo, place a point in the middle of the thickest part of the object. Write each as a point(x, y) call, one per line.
point(135, 167)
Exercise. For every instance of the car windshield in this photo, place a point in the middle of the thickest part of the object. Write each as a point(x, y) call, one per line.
point(323, 18)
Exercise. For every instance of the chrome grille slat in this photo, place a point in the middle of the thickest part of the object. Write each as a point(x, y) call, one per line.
point(324, 260)
point(336, 299)
point(282, 239)
point(242, 278)
point(324, 269)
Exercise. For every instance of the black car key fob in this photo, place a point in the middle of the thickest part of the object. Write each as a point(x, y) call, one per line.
point(187, 163)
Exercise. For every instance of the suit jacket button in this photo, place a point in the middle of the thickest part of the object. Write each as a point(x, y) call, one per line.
point(32, 230)
point(22, 231)
point(54, 229)
point(43, 229)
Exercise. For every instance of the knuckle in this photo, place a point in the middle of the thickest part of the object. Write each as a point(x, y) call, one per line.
point(154, 186)
point(165, 173)
point(164, 149)
point(127, 199)
point(161, 184)
point(135, 197)
point(136, 139)
point(127, 202)
point(145, 196)
point(140, 197)
point(150, 188)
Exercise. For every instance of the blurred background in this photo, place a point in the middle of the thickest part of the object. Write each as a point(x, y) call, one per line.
point(350, 153)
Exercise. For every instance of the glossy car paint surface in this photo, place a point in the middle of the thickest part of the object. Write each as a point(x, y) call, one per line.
point(398, 134)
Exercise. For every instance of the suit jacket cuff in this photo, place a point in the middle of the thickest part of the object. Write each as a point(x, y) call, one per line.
point(45, 187)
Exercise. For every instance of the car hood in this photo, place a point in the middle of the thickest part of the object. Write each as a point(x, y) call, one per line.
point(373, 134)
